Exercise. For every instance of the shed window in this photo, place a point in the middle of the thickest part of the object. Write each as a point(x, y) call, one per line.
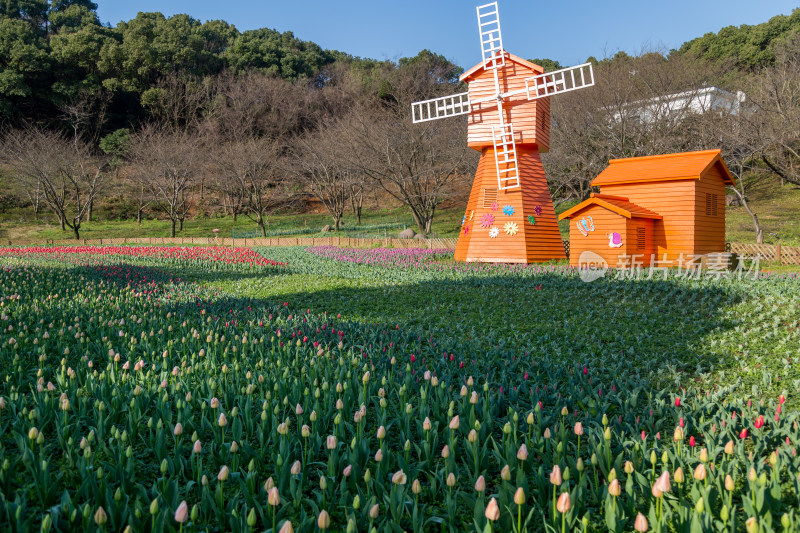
point(711, 204)
point(641, 237)
point(489, 197)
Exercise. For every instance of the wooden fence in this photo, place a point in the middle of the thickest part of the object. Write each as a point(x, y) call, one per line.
point(344, 242)
point(786, 255)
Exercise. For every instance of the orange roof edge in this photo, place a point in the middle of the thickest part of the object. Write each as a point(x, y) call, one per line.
point(609, 196)
point(471, 73)
point(664, 156)
point(607, 203)
point(714, 157)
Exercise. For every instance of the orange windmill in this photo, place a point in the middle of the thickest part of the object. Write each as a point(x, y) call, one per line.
point(510, 216)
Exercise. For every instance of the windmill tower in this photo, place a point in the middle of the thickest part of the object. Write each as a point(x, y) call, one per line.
point(510, 216)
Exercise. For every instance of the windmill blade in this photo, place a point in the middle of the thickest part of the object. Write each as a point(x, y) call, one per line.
point(436, 108)
point(491, 39)
point(559, 81)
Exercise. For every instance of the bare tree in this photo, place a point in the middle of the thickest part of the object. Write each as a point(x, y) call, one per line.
point(252, 176)
point(637, 107)
point(776, 96)
point(165, 162)
point(257, 105)
point(64, 170)
point(321, 163)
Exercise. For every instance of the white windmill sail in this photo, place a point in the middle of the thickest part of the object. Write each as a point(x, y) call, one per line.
point(446, 106)
point(539, 86)
point(559, 81)
point(491, 38)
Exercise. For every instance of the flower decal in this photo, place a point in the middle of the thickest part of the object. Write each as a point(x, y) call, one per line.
point(466, 230)
point(531, 220)
point(494, 206)
point(471, 214)
point(464, 220)
point(487, 220)
point(510, 228)
point(508, 210)
point(494, 232)
point(538, 211)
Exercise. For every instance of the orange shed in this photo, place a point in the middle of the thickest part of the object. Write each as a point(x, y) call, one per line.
point(685, 192)
point(613, 228)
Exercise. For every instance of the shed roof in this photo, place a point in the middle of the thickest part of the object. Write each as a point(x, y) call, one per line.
point(617, 204)
point(666, 167)
point(477, 69)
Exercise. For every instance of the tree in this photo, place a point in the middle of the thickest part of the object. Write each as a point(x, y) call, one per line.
point(322, 164)
point(631, 111)
point(165, 162)
point(414, 163)
point(252, 177)
point(63, 169)
point(776, 97)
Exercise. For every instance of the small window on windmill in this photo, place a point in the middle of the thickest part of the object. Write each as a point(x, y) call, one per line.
point(708, 205)
point(489, 197)
point(714, 204)
point(641, 237)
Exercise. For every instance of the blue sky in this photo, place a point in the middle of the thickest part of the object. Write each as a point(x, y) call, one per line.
point(568, 31)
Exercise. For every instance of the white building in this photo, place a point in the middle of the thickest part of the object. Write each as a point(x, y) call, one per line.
point(678, 105)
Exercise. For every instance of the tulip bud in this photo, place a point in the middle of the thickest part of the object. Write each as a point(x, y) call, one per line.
point(678, 436)
point(751, 525)
point(704, 455)
point(331, 442)
point(399, 478)
point(324, 520)
point(100, 516)
point(480, 484)
point(729, 484)
point(564, 503)
point(519, 496)
point(446, 451)
point(679, 476)
point(724, 513)
point(700, 472)
point(555, 476)
point(640, 524)
point(416, 487)
point(578, 428)
point(473, 436)
point(492, 512)
point(522, 453)
point(381, 433)
point(451, 480)
point(356, 502)
point(154, 507)
point(614, 488)
point(628, 467)
point(224, 472)
point(296, 468)
point(182, 513)
point(505, 473)
point(374, 510)
point(454, 423)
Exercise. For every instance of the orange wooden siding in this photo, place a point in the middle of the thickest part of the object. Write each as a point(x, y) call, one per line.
point(531, 118)
point(605, 223)
point(709, 201)
point(538, 242)
point(675, 202)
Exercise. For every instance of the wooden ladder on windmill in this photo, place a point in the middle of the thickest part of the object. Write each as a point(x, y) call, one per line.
point(505, 156)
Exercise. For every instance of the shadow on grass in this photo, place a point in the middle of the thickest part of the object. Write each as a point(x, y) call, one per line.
point(644, 326)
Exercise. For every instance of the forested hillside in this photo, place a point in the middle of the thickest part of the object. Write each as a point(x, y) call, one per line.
point(175, 118)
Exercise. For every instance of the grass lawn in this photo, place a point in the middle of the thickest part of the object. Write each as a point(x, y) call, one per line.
point(778, 209)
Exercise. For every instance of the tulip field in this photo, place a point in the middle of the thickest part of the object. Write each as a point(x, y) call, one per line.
point(320, 389)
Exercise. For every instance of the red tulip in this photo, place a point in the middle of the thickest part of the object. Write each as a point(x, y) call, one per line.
point(677, 401)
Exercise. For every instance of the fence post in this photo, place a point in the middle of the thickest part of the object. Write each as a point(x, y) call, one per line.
point(778, 253)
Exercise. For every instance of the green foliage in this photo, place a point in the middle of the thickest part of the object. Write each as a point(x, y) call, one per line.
point(257, 410)
point(548, 64)
point(747, 47)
